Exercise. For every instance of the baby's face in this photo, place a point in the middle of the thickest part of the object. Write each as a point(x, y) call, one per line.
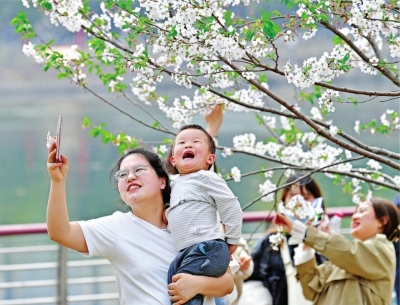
point(191, 152)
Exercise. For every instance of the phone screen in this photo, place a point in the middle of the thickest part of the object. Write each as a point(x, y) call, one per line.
point(58, 138)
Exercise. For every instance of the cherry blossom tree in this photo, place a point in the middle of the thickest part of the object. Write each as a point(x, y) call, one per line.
point(222, 57)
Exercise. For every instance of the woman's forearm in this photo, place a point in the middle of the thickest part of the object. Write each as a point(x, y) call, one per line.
point(59, 228)
point(185, 286)
point(216, 287)
point(57, 214)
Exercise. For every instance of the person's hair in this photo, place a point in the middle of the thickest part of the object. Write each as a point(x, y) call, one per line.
point(306, 183)
point(154, 161)
point(211, 144)
point(384, 209)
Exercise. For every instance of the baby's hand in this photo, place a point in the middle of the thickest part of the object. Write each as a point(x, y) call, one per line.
point(232, 249)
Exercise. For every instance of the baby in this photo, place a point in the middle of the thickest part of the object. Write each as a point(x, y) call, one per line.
point(197, 195)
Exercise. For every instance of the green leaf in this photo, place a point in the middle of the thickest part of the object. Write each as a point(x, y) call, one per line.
point(323, 17)
point(168, 141)
point(337, 40)
point(47, 6)
point(249, 35)
point(270, 29)
point(228, 18)
point(86, 122)
point(259, 120)
point(94, 132)
point(263, 78)
point(264, 16)
point(173, 32)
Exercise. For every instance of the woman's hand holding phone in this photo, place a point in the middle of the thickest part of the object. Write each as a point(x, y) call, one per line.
point(57, 164)
point(57, 140)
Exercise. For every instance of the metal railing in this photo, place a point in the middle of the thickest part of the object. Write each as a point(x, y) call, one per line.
point(61, 284)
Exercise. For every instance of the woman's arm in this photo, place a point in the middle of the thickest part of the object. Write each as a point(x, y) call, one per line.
point(59, 228)
point(186, 286)
point(371, 259)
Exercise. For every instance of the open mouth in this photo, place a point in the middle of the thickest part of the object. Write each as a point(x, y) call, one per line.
point(188, 155)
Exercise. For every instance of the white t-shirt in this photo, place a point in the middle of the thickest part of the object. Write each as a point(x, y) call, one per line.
point(139, 253)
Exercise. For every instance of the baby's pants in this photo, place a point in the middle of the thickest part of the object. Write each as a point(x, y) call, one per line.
point(209, 258)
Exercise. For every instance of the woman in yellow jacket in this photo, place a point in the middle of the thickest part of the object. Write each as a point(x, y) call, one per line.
point(359, 272)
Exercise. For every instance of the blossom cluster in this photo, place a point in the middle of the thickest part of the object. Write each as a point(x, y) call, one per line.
point(328, 67)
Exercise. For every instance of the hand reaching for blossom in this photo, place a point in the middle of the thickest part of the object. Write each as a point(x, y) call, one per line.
point(283, 221)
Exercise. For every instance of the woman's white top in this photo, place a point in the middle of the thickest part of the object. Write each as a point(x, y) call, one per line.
point(139, 253)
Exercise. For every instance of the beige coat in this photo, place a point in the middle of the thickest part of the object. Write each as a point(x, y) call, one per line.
point(358, 272)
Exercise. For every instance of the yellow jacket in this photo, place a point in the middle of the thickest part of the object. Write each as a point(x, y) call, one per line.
point(357, 273)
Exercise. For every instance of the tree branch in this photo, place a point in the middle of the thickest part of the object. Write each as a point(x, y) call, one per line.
point(391, 76)
point(300, 167)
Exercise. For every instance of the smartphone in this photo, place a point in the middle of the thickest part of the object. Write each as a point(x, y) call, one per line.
point(58, 139)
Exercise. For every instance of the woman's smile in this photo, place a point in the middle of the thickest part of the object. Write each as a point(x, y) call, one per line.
point(133, 186)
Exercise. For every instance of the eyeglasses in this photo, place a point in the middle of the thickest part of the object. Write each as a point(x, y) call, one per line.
point(136, 170)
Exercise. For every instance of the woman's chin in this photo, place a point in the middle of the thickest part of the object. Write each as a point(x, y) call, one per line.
point(354, 232)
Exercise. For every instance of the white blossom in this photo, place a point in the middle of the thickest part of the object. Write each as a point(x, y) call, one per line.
point(347, 153)
point(235, 172)
point(374, 164)
point(333, 130)
point(357, 126)
point(267, 188)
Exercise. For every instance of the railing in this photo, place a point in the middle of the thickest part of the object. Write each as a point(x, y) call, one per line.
point(62, 284)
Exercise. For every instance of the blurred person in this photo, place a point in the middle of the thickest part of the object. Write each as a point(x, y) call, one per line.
point(268, 270)
point(361, 271)
point(196, 197)
point(137, 243)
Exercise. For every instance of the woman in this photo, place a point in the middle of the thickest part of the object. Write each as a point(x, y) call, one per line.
point(136, 243)
point(360, 271)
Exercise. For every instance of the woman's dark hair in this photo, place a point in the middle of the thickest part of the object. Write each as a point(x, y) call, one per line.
point(384, 209)
point(156, 164)
point(171, 169)
point(306, 183)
